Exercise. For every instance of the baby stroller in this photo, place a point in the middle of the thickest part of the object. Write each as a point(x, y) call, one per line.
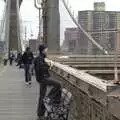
point(58, 111)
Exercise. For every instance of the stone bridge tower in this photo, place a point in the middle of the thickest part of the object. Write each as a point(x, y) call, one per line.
point(51, 25)
point(14, 42)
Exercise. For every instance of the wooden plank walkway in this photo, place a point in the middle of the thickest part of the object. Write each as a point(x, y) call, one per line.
point(17, 101)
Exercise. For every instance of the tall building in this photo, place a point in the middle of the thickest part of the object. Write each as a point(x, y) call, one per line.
point(34, 44)
point(72, 37)
point(100, 24)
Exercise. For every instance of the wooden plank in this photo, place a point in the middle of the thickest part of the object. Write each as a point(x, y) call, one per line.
point(17, 102)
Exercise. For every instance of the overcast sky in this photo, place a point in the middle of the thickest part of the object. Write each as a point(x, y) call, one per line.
point(88, 4)
point(30, 13)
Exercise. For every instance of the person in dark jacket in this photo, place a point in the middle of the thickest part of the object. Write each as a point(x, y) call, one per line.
point(19, 60)
point(44, 80)
point(27, 60)
point(11, 58)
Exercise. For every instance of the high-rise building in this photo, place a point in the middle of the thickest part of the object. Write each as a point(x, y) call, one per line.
point(101, 25)
point(72, 37)
point(34, 44)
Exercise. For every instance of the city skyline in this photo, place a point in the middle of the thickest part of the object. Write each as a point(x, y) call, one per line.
point(30, 13)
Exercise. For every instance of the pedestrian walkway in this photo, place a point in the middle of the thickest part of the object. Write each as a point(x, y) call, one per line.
point(17, 101)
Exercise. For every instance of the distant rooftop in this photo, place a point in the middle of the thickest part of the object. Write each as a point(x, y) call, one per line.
point(99, 6)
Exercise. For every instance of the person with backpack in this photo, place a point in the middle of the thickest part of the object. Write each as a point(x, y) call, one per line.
point(27, 60)
point(44, 80)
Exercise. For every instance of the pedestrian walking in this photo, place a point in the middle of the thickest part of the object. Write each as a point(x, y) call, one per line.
point(44, 80)
point(11, 58)
point(27, 59)
point(19, 60)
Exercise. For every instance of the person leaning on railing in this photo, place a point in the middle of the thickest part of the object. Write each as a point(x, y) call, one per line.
point(44, 80)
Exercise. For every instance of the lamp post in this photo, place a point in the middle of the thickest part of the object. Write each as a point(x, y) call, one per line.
point(37, 4)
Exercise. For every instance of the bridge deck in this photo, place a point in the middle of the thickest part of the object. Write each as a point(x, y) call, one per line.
point(17, 101)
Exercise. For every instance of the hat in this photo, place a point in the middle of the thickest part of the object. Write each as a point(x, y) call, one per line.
point(28, 48)
point(42, 47)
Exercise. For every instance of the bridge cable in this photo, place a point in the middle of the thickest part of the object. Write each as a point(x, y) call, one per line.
point(82, 29)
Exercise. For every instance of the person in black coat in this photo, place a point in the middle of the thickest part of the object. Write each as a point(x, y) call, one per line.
point(44, 80)
point(11, 58)
point(19, 60)
point(27, 60)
